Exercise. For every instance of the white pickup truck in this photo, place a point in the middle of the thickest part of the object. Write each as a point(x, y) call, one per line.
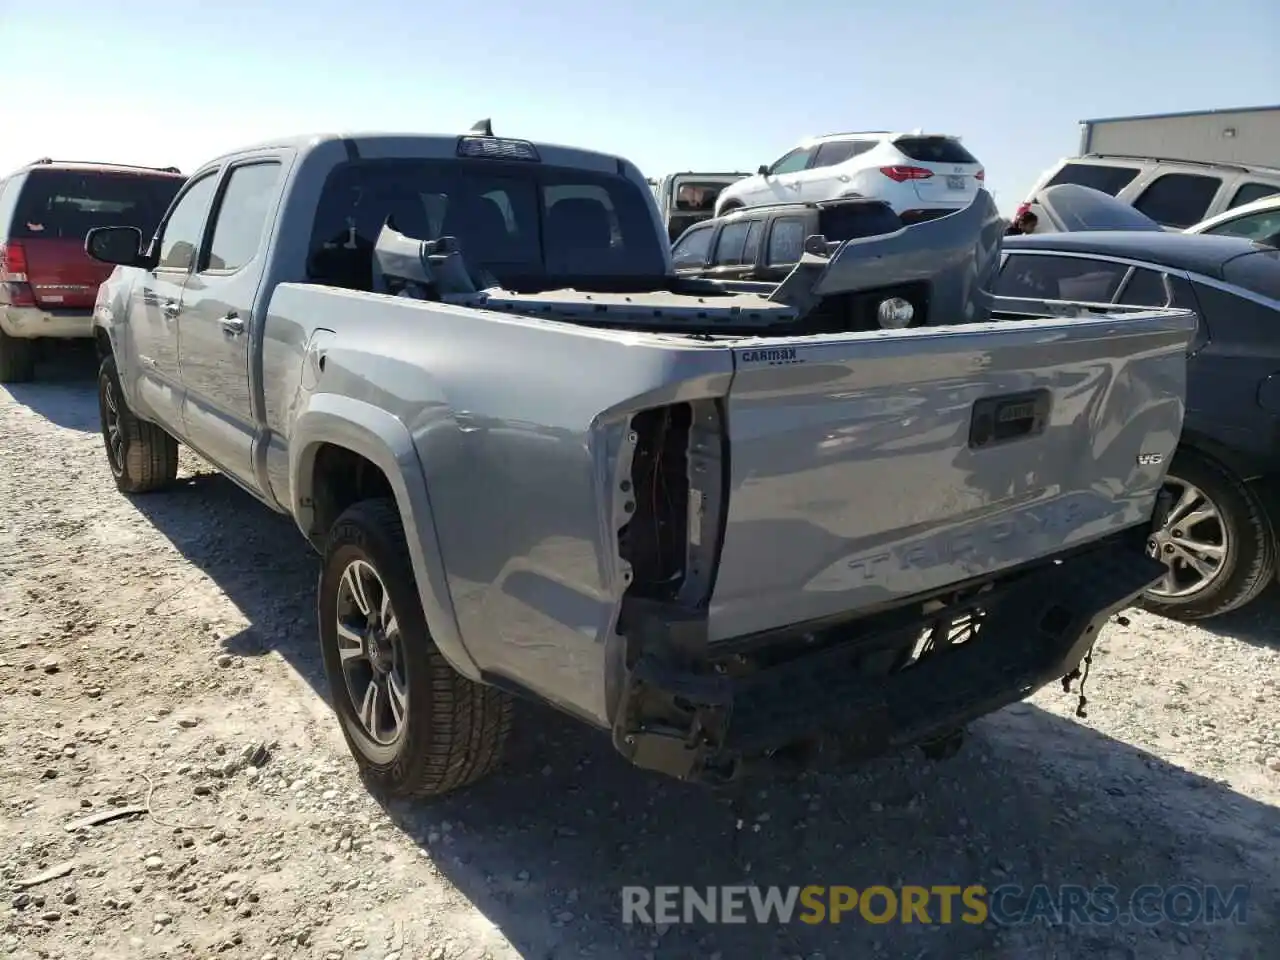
point(723, 522)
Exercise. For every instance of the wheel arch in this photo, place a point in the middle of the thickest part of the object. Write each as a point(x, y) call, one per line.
point(342, 448)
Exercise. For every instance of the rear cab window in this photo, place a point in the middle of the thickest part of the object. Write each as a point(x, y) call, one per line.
point(849, 221)
point(60, 204)
point(523, 222)
point(934, 150)
point(1110, 179)
point(1178, 199)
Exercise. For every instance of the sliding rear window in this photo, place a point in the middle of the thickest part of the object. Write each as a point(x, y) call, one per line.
point(934, 150)
point(853, 220)
point(516, 220)
point(67, 204)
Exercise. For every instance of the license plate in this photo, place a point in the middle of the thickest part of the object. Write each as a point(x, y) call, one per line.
point(956, 183)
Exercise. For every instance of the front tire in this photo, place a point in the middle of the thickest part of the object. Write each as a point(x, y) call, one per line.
point(415, 726)
point(1216, 543)
point(141, 455)
point(17, 359)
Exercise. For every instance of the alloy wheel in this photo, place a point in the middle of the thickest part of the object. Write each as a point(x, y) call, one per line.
point(1192, 543)
point(112, 428)
point(371, 650)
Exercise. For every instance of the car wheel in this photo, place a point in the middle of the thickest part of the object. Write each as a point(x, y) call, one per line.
point(1216, 543)
point(17, 359)
point(414, 725)
point(729, 208)
point(141, 455)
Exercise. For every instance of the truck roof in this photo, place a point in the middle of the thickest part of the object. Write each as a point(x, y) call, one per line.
point(398, 144)
point(48, 163)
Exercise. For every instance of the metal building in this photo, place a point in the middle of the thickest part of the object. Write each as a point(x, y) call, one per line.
point(1246, 135)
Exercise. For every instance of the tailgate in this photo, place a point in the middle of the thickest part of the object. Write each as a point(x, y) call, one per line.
point(61, 274)
point(865, 468)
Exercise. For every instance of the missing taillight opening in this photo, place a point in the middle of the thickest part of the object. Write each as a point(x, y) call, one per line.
point(672, 537)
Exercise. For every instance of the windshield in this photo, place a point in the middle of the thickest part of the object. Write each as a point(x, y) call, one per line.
point(67, 204)
point(520, 221)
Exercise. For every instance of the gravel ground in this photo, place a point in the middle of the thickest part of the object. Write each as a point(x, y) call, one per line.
point(161, 654)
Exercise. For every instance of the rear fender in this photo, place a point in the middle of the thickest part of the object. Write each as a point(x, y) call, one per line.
point(384, 440)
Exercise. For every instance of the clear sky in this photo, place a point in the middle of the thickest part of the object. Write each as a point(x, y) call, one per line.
point(672, 86)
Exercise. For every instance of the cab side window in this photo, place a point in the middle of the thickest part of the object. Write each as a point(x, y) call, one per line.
point(242, 215)
point(180, 235)
point(692, 249)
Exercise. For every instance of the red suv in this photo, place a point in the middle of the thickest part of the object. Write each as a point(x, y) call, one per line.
point(48, 285)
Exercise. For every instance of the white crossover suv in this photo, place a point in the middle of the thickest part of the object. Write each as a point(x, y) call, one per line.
point(921, 176)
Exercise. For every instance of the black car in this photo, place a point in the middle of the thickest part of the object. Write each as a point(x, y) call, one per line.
point(765, 242)
point(1219, 537)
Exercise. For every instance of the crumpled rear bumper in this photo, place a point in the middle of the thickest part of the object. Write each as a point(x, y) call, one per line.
point(697, 721)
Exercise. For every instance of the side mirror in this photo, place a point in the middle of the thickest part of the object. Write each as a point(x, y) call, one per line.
point(121, 246)
point(762, 170)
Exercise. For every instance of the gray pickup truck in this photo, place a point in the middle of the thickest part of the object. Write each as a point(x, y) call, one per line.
point(725, 523)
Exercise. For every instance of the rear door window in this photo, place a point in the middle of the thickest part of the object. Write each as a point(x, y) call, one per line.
point(1035, 277)
point(732, 243)
point(751, 246)
point(692, 249)
point(242, 215)
point(67, 204)
point(838, 151)
point(786, 240)
point(1245, 193)
point(1144, 289)
point(1178, 199)
point(934, 150)
point(1097, 176)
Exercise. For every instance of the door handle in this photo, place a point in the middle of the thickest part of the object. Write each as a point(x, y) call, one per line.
point(171, 309)
point(232, 324)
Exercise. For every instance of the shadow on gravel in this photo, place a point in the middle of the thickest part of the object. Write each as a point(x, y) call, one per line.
point(57, 392)
point(1257, 623)
point(543, 848)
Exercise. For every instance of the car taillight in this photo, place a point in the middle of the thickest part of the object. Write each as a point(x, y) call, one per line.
point(981, 176)
point(1022, 208)
point(13, 275)
point(902, 174)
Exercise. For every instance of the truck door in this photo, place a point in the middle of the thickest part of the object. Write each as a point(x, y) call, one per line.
point(154, 329)
point(219, 323)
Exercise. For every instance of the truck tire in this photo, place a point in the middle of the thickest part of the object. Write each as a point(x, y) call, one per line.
point(141, 455)
point(17, 359)
point(424, 730)
point(1237, 559)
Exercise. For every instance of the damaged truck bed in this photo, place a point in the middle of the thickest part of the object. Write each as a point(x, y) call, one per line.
point(723, 522)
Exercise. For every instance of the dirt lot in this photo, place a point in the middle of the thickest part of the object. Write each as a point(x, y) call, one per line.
point(161, 653)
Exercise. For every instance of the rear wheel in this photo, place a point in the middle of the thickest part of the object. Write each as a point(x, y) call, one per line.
point(142, 457)
point(414, 725)
point(17, 359)
point(1216, 543)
